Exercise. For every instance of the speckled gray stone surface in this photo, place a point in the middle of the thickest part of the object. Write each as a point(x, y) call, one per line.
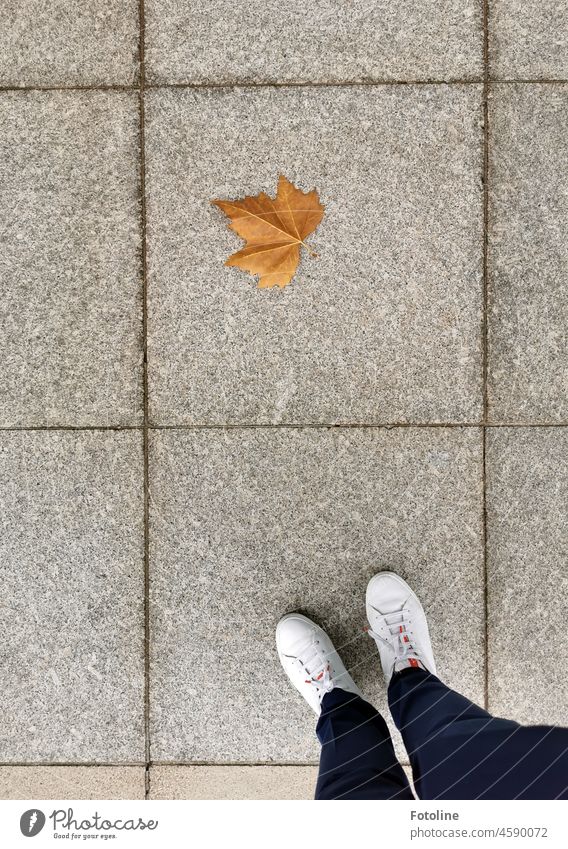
point(312, 40)
point(528, 256)
point(71, 319)
point(57, 43)
point(72, 782)
point(235, 782)
point(248, 524)
point(72, 624)
point(385, 325)
point(527, 473)
point(232, 782)
point(528, 40)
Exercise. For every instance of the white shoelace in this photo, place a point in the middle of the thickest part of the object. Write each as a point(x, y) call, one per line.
point(398, 641)
point(316, 666)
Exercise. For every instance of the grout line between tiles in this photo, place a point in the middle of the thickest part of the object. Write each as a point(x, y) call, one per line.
point(33, 428)
point(101, 87)
point(237, 763)
point(142, 764)
point(279, 426)
point(486, 84)
point(31, 764)
point(142, 178)
point(135, 89)
point(355, 425)
point(320, 84)
point(526, 81)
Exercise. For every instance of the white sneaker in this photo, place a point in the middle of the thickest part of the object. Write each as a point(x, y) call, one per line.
point(310, 660)
point(398, 625)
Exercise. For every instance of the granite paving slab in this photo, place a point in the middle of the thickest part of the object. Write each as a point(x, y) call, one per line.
point(528, 254)
point(528, 40)
point(188, 41)
point(232, 782)
point(385, 325)
point(527, 478)
point(72, 624)
point(59, 43)
point(249, 524)
point(71, 319)
point(72, 782)
point(235, 782)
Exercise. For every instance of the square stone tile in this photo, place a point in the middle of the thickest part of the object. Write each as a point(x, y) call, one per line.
point(70, 325)
point(233, 782)
point(528, 254)
point(249, 524)
point(527, 501)
point(72, 782)
point(528, 40)
point(72, 624)
point(250, 41)
point(385, 325)
point(59, 43)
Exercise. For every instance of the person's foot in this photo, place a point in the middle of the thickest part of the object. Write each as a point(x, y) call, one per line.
point(398, 625)
point(310, 660)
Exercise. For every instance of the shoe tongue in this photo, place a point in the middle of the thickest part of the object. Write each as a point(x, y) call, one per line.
point(396, 613)
point(396, 625)
point(309, 654)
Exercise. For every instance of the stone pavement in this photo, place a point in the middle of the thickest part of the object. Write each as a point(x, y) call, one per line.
point(185, 457)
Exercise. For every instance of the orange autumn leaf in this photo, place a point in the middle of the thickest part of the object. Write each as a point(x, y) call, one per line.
point(274, 229)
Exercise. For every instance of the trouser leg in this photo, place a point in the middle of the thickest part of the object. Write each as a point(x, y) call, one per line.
point(357, 756)
point(459, 751)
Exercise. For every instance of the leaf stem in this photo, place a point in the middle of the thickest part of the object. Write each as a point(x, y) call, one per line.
point(310, 251)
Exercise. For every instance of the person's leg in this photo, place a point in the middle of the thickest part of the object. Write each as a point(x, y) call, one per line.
point(459, 751)
point(357, 756)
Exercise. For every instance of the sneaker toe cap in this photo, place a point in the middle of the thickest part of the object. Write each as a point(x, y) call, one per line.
point(387, 591)
point(291, 630)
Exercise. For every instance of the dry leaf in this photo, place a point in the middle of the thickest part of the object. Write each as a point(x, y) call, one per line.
point(274, 230)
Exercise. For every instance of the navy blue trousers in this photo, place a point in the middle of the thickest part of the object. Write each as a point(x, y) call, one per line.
point(457, 750)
